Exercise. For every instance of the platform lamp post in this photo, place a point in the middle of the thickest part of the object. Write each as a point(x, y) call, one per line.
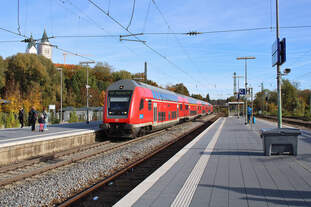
point(61, 94)
point(87, 88)
point(238, 77)
point(245, 58)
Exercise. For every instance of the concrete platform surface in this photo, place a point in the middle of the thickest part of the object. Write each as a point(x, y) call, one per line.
point(226, 166)
point(22, 135)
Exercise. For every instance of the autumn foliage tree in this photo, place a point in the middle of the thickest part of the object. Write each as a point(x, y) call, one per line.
point(179, 88)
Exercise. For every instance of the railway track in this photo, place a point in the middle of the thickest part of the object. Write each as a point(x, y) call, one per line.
point(26, 169)
point(121, 182)
point(295, 122)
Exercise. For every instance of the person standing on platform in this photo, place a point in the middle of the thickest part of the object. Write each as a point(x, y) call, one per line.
point(45, 116)
point(41, 122)
point(32, 118)
point(249, 113)
point(21, 117)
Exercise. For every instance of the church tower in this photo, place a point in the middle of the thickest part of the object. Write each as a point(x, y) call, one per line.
point(45, 47)
point(31, 47)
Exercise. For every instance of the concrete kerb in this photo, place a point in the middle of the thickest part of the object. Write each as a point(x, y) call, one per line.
point(26, 149)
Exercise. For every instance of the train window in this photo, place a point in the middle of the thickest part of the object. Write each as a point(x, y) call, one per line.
point(169, 115)
point(141, 105)
point(149, 105)
point(180, 106)
point(187, 107)
point(164, 116)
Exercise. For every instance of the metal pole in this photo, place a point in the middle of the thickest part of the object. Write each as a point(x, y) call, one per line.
point(87, 93)
point(61, 96)
point(245, 58)
point(238, 77)
point(145, 71)
point(246, 114)
point(252, 116)
point(87, 89)
point(279, 76)
point(238, 98)
point(234, 84)
point(263, 99)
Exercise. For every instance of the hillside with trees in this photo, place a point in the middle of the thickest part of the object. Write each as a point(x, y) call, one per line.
point(30, 80)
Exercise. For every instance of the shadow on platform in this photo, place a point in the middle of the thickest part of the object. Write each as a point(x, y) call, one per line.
point(266, 195)
point(235, 153)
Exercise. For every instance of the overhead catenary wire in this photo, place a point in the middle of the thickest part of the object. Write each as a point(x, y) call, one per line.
point(92, 21)
point(108, 6)
point(178, 42)
point(55, 46)
point(148, 46)
point(18, 24)
point(183, 33)
point(72, 53)
point(7, 41)
point(133, 10)
point(15, 33)
point(146, 17)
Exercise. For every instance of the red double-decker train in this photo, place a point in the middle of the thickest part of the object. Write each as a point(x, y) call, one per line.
point(133, 108)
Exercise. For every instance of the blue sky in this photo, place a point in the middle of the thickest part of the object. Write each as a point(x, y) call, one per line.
point(204, 63)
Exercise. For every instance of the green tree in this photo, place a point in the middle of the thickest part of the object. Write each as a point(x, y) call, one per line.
point(73, 117)
point(207, 98)
point(121, 75)
point(3, 69)
point(197, 96)
point(33, 77)
point(179, 88)
point(289, 96)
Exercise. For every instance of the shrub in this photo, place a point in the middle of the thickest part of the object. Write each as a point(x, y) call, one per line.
point(11, 121)
point(73, 117)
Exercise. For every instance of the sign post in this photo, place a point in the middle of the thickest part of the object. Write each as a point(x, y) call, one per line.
point(278, 58)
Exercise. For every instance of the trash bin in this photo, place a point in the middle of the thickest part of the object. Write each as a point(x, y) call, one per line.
point(280, 141)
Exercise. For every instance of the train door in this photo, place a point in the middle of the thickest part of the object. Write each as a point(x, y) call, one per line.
point(155, 113)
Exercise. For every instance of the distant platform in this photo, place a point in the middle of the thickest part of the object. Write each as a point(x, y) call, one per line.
point(13, 136)
point(225, 166)
point(18, 144)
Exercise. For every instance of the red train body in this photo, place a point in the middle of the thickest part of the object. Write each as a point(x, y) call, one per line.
point(134, 108)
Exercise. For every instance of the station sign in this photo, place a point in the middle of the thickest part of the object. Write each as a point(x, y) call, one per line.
point(278, 52)
point(242, 91)
point(51, 107)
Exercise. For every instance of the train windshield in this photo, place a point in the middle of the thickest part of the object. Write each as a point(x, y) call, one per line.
point(119, 102)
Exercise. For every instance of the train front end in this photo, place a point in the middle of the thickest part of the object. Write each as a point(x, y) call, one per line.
point(117, 110)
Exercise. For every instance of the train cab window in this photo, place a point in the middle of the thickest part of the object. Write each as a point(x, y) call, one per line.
point(141, 105)
point(118, 103)
point(149, 105)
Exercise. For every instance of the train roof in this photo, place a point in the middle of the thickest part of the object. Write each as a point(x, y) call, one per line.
point(158, 93)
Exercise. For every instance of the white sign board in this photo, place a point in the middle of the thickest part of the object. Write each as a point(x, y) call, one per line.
point(51, 107)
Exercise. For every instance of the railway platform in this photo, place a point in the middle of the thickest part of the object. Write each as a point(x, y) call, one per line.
point(18, 144)
point(225, 166)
